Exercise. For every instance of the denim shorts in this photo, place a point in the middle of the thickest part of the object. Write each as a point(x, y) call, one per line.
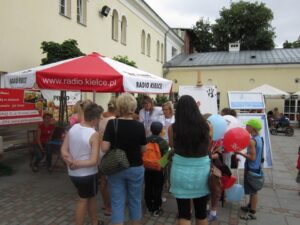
point(128, 183)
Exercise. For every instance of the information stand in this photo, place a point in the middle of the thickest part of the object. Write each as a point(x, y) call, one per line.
point(253, 101)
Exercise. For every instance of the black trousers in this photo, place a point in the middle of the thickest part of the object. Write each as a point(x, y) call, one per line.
point(154, 181)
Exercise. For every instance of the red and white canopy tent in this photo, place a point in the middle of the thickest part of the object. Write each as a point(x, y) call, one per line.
point(90, 73)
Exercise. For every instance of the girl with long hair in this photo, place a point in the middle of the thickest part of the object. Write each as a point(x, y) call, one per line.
point(189, 136)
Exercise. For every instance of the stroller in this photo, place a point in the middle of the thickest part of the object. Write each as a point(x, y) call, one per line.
point(282, 126)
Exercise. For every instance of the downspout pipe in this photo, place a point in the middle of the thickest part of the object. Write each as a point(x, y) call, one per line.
point(165, 50)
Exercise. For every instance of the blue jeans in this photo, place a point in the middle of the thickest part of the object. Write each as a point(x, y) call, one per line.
point(128, 183)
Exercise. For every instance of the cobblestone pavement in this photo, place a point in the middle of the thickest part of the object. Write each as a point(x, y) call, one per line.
point(42, 198)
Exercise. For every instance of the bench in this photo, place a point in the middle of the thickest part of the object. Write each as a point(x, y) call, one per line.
point(18, 137)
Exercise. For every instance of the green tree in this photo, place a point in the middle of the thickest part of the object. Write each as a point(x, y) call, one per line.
point(295, 44)
point(57, 52)
point(202, 36)
point(160, 100)
point(125, 60)
point(248, 23)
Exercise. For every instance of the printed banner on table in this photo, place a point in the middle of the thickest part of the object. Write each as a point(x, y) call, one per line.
point(20, 107)
point(54, 96)
point(205, 96)
point(246, 100)
point(264, 133)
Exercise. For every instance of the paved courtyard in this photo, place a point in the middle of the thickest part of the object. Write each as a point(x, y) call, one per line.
point(41, 198)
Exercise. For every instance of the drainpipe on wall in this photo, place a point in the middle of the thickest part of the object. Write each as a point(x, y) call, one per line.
point(165, 56)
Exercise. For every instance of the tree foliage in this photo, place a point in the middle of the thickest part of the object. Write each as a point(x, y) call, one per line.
point(295, 44)
point(202, 37)
point(248, 23)
point(57, 52)
point(125, 60)
point(160, 100)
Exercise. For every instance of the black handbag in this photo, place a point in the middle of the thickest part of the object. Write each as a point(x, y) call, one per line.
point(115, 160)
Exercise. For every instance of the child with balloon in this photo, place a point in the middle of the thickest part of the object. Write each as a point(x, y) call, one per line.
point(253, 163)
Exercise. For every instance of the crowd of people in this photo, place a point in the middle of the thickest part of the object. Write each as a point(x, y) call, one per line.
point(186, 136)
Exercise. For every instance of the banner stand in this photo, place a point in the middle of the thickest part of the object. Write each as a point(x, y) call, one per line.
point(245, 100)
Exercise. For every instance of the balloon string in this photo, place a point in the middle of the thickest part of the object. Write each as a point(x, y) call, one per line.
point(213, 146)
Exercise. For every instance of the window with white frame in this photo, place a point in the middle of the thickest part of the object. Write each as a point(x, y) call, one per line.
point(292, 108)
point(123, 30)
point(65, 8)
point(157, 50)
point(115, 25)
point(148, 45)
point(161, 52)
point(81, 11)
point(143, 39)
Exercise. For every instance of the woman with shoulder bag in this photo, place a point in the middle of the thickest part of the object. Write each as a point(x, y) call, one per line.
point(129, 135)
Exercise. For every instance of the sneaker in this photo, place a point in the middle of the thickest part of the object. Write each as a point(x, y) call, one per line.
point(212, 218)
point(207, 212)
point(248, 216)
point(157, 213)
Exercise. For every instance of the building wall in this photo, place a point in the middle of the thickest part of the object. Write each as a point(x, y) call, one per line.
point(240, 79)
point(25, 24)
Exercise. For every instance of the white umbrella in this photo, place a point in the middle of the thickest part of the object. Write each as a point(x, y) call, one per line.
point(297, 93)
point(271, 92)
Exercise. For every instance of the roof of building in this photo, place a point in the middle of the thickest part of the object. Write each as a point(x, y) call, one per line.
point(253, 57)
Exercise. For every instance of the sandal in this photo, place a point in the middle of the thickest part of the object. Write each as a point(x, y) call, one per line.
point(248, 216)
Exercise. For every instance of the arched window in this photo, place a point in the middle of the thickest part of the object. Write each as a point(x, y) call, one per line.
point(162, 53)
point(115, 27)
point(148, 45)
point(123, 30)
point(143, 39)
point(157, 51)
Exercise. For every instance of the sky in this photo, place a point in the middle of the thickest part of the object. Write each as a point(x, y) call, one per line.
point(185, 13)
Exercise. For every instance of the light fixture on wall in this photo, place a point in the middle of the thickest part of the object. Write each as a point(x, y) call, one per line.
point(105, 11)
point(251, 81)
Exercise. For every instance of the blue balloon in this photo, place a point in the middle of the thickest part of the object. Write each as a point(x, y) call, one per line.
point(219, 125)
point(235, 193)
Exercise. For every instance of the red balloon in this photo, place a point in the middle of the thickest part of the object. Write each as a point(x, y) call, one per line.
point(236, 139)
point(227, 182)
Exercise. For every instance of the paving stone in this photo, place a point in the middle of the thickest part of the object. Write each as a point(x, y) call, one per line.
point(292, 220)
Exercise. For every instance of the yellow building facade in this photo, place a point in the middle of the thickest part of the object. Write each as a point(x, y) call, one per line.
point(110, 27)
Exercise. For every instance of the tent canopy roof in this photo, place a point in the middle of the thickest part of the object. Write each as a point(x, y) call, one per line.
point(270, 92)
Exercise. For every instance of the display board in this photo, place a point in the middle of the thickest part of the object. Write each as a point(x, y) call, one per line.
point(243, 117)
point(54, 96)
point(20, 107)
point(246, 100)
point(205, 96)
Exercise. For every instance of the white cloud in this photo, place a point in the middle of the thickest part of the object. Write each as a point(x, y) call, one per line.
point(185, 13)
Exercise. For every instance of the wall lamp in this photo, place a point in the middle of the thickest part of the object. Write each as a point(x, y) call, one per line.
point(105, 11)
